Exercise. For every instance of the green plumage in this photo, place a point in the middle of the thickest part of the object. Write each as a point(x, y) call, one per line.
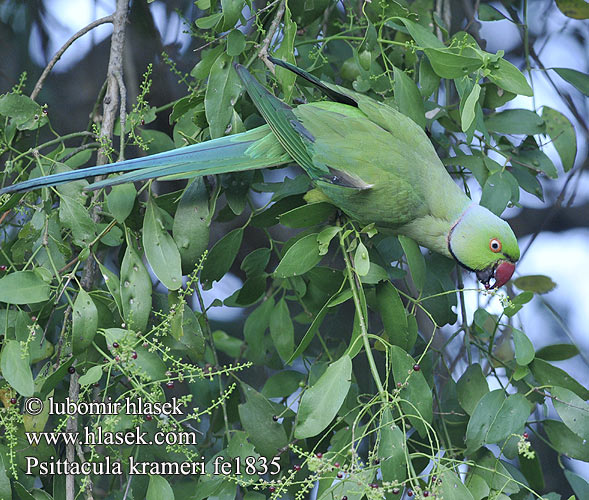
point(368, 159)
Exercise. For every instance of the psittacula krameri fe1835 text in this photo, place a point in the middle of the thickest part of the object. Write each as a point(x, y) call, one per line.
point(371, 161)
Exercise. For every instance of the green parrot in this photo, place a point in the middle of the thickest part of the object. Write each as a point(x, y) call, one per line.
point(372, 162)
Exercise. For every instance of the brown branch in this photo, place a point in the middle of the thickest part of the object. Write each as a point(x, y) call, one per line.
point(111, 104)
point(60, 52)
point(263, 53)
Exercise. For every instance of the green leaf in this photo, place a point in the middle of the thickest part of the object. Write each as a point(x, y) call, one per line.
point(489, 13)
point(361, 260)
point(5, 488)
point(231, 12)
point(301, 257)
point(191, 224)
point(468, 111)
point(423, 36)
point(407, 97)
point(136, 290)
point(452, 487)
point(575, 78)
point(325, 236)
point(536, 283)
point(282, 384)
point(285, 51)
point(537, 160)
point(84, 322)
point(496, 193)
point(548, 375)
point(209, 22)
point(561, 132)
point(159, 489)
point(448, 64)
point(531, 468)
point(416, 395)
point(579, 485)
point(120, 201)
point(515, 121)
point(428, 80)
point(577, 9)
point(282, 330)
point(495, 418)
point(235, 43)
point(320, 403)
point(113, 284)
point(75, 217)
point(508, 77)
point(23, 287)
point(221, 257)
point(26, 113)
point(392, 312)
point(256, 261)
point(307, 215)
point(471, 387)
point(524, 349)
point(415, 260)
point(566, 441)
point(16, 369)
point(254, 328)
point(267, 435)
point(391, 449)
point(557, 352)
point(93, 375)
point(573, 411)
point(160, 249)
point(222, 91)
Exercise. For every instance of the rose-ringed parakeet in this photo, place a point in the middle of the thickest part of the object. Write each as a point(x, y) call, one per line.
point(372, 162)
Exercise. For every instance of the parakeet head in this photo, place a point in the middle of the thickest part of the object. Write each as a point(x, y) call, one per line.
point(485, 244)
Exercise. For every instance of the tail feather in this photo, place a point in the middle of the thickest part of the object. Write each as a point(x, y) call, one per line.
point(233, 153)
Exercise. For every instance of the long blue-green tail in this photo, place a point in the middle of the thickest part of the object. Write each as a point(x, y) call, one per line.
point(257, 148)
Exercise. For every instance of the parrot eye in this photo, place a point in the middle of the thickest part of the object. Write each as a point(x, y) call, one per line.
point(495, 245)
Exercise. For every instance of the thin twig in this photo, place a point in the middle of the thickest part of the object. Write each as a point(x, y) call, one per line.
point(60, 52)
point(264, 47)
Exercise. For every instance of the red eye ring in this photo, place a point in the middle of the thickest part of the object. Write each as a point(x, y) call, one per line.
point(495, 245)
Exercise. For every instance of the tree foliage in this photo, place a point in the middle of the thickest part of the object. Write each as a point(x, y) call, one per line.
point(342, 372)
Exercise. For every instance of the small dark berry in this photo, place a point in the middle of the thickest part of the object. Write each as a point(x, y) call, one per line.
point(426, 493)
point(145, 344)
point(71, 370)
point(115, 345)
point(336, 465)
point(409, 493)
point(296, 467)
point(272, 489)
point(339, 475)
point(33, 318)
point(344, 498)
point(319, 455)
point(396, 491)
point(374, 485)
point(148, 417)
point(526, 435)
point(142, 122)
point(399, 385)
point(134, 355)
point(170, 384)
point(96, 384)
point(275, 418)
point(376, 461)
point(416, 367)
point(117, 358)
point(3, 268)
point(12, 401)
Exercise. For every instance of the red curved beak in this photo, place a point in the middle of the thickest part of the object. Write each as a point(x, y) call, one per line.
point(503, 273)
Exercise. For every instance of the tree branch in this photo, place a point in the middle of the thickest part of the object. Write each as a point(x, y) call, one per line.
point(60, 52)
point(263, 53)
